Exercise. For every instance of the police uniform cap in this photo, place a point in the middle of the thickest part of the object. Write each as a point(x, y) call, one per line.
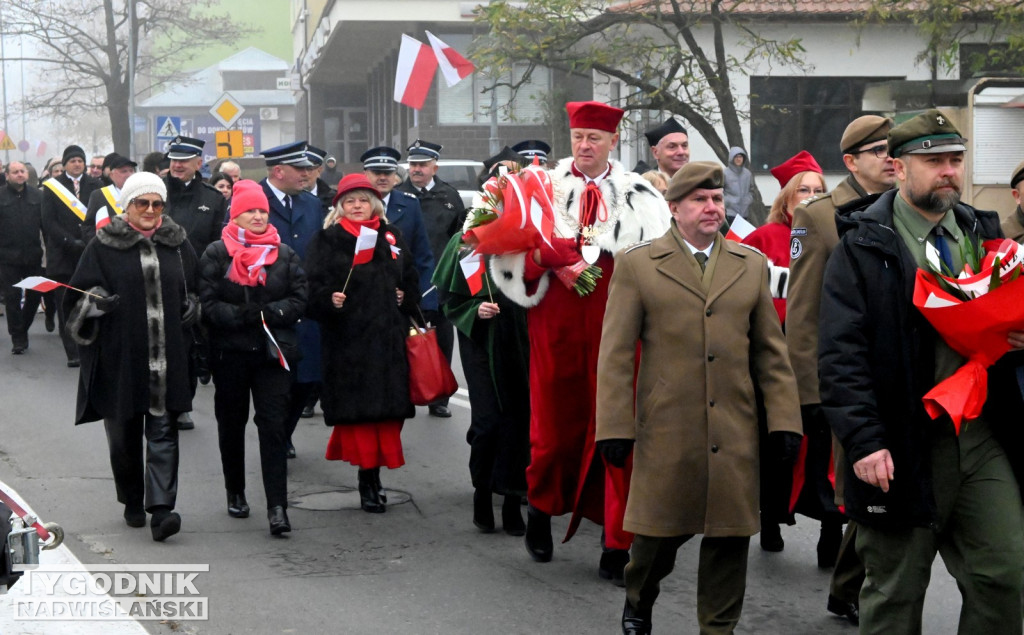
point(181, 148)
point(506, 154)
point(695, 174)
point(864, 130)
point(381, 159)
point(930, 132)
point(421, 151)
point(316, 155)
point(1018, 175)
point(533, 148)
point(293, 154)
point(656, 134)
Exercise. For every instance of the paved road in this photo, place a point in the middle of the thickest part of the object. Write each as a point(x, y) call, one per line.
point(420, 568)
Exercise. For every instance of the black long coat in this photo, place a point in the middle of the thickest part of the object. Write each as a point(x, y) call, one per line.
point(119, 348)
point(199, 208)
point(365, 372)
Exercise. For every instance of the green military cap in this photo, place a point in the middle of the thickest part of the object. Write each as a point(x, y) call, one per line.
point(930, 132)
point(693, 175)
point(1018, 175)
point(864, 130)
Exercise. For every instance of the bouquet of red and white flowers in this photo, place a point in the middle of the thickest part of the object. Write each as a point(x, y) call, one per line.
point(516, 214)
point(974, 313)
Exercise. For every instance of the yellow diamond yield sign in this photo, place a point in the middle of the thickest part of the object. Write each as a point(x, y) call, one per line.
point(227, 110)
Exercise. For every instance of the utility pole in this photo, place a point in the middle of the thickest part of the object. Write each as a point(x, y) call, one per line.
point(3, 71)
point(131, 79)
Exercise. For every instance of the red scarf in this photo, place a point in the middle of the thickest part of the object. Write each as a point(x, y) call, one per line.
point(592, 207)
point(352, 226)
point(250, 253)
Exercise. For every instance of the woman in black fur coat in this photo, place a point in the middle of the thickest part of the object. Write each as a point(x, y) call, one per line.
point(363, 311)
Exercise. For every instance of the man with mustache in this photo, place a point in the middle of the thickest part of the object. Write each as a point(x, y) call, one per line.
point(914, 485)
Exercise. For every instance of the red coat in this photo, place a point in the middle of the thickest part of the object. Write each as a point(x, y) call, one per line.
point(772, 239)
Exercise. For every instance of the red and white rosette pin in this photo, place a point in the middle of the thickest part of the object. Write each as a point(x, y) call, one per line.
point(395, 250)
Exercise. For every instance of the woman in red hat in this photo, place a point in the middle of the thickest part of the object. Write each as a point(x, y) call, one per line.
point(249, 279)
point(363, 306)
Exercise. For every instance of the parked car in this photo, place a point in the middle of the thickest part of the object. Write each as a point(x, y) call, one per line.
point(460, 174)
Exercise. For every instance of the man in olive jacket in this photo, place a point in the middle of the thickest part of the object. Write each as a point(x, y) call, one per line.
point(701, 307)
point(916, 486)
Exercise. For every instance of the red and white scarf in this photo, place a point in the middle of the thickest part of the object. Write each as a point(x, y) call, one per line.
point(250, 253)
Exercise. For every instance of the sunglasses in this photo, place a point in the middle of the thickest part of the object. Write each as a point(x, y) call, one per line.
point(142, 204)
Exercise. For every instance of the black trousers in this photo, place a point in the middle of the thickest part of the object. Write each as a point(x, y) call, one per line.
point(300, 395)
point(153, 482)
point(445, 340)
point(499, 444)
point(70, 347)
point(19, 315)
point(236, 376)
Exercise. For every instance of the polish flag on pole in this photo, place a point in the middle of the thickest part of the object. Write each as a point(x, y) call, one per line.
point(365, 243)
point(415, 72)
point(739, 229)
point(38, 283)
point(454, 67)
point(473, 268)
point(273, 342)
point(102, 217)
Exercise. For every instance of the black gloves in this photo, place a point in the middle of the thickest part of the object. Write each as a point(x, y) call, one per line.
point(786, 445)
point(615, 451)
point(250, 313)
point(189, 313)
point(107, 304)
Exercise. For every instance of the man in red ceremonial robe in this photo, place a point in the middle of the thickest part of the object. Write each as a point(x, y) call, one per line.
point(599, 208)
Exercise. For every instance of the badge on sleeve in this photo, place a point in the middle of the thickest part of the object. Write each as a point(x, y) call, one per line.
point(796, 249)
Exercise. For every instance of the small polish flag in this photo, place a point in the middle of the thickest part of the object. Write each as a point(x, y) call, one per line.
point(414, 73)
point(454, 67)
point(365, 243)
point(739, 229)
point(473, 268)
point(102, 217)
point(41, 150)
point(273, 342)
point(38, 283)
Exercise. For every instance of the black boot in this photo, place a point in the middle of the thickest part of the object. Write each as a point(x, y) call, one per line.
point(382, 494)
point(238, 507)
point(135, 515)
point(511, 517)
point(538, 535)
point(483, 513)
point(278, 518)
point(771, 536)
point(828, 543)
point(164, 523)
point(368, 494)
point(635, 621)
point(613, 563)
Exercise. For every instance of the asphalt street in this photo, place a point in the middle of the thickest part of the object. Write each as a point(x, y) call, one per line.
point(422, 567)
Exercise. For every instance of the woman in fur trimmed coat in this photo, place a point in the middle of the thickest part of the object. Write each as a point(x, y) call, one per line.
point(133, 338)
point(363, 314)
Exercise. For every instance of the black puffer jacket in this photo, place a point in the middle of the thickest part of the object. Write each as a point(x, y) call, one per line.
point(282, 300)
point(877, 360)
point(365, 372)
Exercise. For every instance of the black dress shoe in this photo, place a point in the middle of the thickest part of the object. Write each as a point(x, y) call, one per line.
point(635, 621)
point(771, 537)
point(238, 507)
point(74, 363)
point(185, 421)
point(307, 412)
point(18, 349)
point(50, 326)
point(278, 518)
point(135, 515)
point(842, 608)
point(511, 517)
point(483, 513)
point(440, 411)
point(289, 450)
point(538, 535)
point(164, 525)
point(613, 563)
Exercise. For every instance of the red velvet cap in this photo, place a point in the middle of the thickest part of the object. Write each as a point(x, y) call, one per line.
point(594, 114)
point(354, 181)
point(801, 162)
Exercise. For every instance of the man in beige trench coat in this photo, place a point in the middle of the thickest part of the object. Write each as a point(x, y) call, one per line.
point(701, 309)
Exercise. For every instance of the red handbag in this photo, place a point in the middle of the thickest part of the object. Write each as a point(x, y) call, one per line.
point(430, 374)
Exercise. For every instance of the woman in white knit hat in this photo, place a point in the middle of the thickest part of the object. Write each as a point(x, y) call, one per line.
point(140, 274)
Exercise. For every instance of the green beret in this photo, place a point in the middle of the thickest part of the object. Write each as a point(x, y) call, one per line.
point(930, 132)
point(1018, 175)
point(864, 130)
point(693, 175)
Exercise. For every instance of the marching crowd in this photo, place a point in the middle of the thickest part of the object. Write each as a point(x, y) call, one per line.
point(629, 365)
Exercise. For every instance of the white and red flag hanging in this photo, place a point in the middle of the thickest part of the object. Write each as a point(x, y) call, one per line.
point(473, 268)
point(453, 66)
point(414, 73)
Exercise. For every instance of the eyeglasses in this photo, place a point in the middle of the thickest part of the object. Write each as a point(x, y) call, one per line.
point(880, 151)
point(806, 191)
point(142, 204)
